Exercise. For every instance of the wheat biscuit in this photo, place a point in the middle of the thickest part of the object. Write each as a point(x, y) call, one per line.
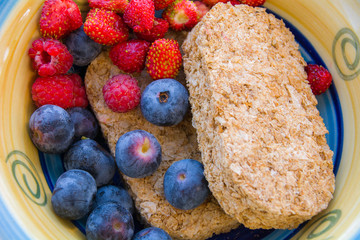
point(177, 143)
point(261, 137)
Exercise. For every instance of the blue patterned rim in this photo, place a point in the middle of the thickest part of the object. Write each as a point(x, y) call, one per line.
point(329, 108)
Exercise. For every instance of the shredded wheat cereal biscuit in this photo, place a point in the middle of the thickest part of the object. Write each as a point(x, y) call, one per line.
point(261, 137)
point(177, 142)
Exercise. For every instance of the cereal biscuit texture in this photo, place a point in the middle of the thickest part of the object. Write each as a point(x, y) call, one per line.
point(177, 143)
point(261, 137)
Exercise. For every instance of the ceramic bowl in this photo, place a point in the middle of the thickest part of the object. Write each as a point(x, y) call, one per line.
point(328, 33)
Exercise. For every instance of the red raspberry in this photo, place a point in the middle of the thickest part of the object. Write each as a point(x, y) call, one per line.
point(163, 59)
point(105, 27)
point(121, 93)
point(201, 9)
point(117, 6)
point(181, 15)
point(319, 78)
point(62, 90)
point(161, 26)
point(130, 56)
point(50, 57)
point(139, 15)
point(59, 18)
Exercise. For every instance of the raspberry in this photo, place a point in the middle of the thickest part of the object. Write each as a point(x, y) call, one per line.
point(159, 30)
point(319, 78)
point(62, 90)
point(50, 57)
point(201, 9)
point(117, 6)
point(163, 59)
point(181, 15)
point(139, 15)
point(105, 27)
point(130, 56)
point(59, 18)
point(121, 93)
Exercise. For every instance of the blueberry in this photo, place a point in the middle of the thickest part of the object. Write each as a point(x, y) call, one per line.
point(84, 121)
point(115, 194)
point(185, 186)
point(164, 102)
point(152, 233)
point(138, 154)
point(82, 48)
point(109, 221)
point(73, 194)
point(51, 129)
point(89, 156)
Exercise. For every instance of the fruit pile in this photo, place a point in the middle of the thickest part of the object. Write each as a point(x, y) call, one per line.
point(63, 123)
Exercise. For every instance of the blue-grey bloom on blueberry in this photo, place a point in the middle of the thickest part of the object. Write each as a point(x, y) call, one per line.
point(81, 47)
point(109, 221)
point(51, 129)
point(185, 186)
point(74, 194)
point(138, 154)
point(84, 121)
point(152, 233)
point(164, 102)
point(89, 156)
point(111, 193)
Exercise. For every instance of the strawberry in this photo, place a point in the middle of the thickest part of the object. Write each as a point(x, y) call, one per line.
point(130, 56)
point(319, 78)
point(211, 3)
point(105, 27)
point(159, 29)
point(181, 15)
point(139, 15)
point(161, 4)
point(201, 9)
point(59, 18)
point(253, 3)
point(163, 59)
point(117, 6)
point(50, 57)
point(61, 90)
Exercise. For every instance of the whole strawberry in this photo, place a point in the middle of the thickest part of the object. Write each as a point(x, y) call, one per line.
point(201, 9)
point(59, 18)
point(253, 3)
point(121, 93)
point(211, 3)
point(161, 26)
point(62, 90)
point(163, 59)
point(161, 4)
point(130, 56)
point(105, 27)
point(50, 57)
point(319, 78)
point(181, 15)
point(139, 15)
point(235, 2)
point(117, 6)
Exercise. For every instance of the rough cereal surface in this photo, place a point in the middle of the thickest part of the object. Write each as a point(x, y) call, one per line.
point(261, 137)
point(177, 143)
